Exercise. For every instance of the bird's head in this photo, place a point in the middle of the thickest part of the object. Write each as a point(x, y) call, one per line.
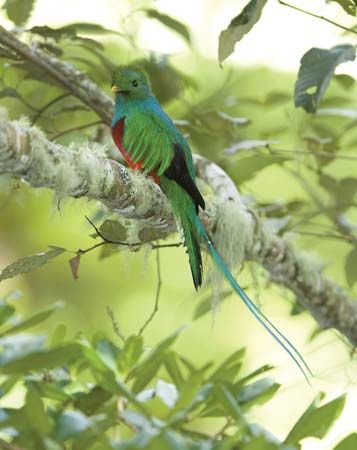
point(131, 82)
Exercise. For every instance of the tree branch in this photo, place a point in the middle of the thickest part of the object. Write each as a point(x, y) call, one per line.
point(85, 172)
point(64, 73)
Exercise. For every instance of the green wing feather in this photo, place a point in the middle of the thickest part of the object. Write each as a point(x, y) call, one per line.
point(148, 140)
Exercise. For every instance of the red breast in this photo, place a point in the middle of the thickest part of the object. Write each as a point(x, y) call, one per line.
point(118, 134)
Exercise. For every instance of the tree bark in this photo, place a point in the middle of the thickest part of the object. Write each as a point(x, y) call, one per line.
point(85, 172)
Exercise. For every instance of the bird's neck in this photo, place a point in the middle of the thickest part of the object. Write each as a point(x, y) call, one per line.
point(124, 106)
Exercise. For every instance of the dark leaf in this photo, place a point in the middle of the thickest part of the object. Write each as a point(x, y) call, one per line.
point(113, 231)
point(350, 6)
point(345, 81)
point(316, 421)
point(317, 67)
point(19, 11)
point(169, 22)
point(70, 31)
point(30, 263)
point(6, 311)
point(239, 27)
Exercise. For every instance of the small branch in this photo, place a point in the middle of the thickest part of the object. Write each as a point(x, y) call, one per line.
point(157, 295)
point(80, 127)
point(48, 105)
point(317, 16)
point(115, 324)
point(63, 73)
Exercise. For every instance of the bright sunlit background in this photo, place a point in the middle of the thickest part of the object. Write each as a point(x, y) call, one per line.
point(127, 281)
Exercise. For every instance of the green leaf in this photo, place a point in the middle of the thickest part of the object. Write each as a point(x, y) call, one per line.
point(351, 267)
point(91, 401)
point(169, 22)
point(349, 443)
point(188, 390)
point(145, 371)
point(258, 392)
point(350, 6)
point(30, 263)
point(58, 335)
point(317, 67)
point(316, 421)
point(6, 311)
point(113, 231)
point(239, 27)
point(346, 81)
point(42, 359)
point(230, 367)
point(172, 368)
point(225, 396)
point(33, 320)
point(19, 11)
point(130, 353)
point(34, 409)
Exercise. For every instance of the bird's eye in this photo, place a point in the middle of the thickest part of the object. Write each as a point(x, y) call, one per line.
point(135, 83)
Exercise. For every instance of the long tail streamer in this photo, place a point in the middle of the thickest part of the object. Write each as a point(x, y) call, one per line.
point(253, 308)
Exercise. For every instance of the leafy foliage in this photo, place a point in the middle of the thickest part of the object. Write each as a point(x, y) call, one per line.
point(350, 6)
point(83, 392)
point(19, 11)
point(29, 263)
point(317, 67)
point(239, 27)
point(169, 22)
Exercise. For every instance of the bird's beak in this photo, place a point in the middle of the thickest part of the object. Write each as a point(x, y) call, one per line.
point(115, 88)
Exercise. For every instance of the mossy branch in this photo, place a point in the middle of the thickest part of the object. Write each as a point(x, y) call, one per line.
point(86, 172)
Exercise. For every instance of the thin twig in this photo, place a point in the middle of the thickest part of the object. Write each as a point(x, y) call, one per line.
point(321, 154)
point(80, 127)
point(317, 16)
point(157, 295)
point(325, 235)
point(67, 76)
point(127, 244)
point(115, 324)
point(47, 105)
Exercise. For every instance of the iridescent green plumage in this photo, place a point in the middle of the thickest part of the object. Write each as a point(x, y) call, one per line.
point(149, 140)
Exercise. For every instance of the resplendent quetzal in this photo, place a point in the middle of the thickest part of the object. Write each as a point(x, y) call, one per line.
point(150, 142)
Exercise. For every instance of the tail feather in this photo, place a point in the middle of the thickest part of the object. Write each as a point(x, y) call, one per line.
point(257, 313)
point(192, 244)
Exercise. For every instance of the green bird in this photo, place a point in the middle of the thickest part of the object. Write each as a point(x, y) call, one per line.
point(150, 142)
